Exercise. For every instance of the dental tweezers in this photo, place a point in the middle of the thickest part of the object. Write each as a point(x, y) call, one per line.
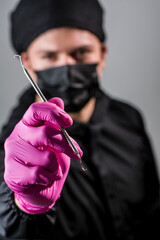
point(43, 98)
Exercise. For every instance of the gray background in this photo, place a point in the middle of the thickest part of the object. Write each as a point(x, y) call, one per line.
point(133, 61)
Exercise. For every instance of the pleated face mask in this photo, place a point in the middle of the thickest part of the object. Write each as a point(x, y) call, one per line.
point(74, 84)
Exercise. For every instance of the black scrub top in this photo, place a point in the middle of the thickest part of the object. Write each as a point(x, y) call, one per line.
point(116, 198)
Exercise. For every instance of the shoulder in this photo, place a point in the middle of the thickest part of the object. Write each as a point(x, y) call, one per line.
point(125, 113)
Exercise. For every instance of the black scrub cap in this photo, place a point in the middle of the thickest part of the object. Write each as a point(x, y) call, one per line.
point(33, 17)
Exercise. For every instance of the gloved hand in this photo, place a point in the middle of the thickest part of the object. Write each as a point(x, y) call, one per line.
point(37, 156)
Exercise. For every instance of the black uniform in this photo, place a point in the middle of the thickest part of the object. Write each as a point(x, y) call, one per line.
point(118, 196)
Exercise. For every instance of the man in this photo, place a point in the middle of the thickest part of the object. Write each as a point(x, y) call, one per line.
point(62, 46)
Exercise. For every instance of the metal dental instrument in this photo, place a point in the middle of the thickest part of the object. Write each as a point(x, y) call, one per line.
point(42, 97)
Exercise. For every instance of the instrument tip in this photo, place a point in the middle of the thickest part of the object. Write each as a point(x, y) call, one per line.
point(82, 166)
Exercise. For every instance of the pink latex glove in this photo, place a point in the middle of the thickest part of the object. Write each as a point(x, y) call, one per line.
point(37, 156)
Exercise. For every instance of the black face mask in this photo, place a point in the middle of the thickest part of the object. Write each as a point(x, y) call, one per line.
point(74, 84)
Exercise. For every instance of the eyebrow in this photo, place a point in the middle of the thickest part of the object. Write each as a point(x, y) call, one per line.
point(87, 46)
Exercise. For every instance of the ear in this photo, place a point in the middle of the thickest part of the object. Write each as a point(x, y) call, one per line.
point(26, 60)
point(104, 50)
point(27, 63)
point(102, 62)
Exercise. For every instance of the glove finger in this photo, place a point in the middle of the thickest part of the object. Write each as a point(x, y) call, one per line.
point(58, 101)
point(38, 113)
point(32, 156)
point(51, 137)
point(69, 151)
point(19, 176)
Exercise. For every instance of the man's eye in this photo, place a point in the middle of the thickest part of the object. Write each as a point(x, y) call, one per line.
point(80, 53)
point(49, 56)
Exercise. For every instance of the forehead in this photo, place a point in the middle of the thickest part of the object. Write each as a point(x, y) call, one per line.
point(64, 38)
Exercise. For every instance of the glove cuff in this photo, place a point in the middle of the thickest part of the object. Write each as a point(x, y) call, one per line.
point(31, 209)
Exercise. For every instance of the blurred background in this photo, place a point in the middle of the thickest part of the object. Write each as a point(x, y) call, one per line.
point(132, 71)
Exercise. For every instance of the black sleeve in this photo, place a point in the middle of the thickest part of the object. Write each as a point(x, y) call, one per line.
point(146, 213)
point(15, 224)
point(150, 228)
